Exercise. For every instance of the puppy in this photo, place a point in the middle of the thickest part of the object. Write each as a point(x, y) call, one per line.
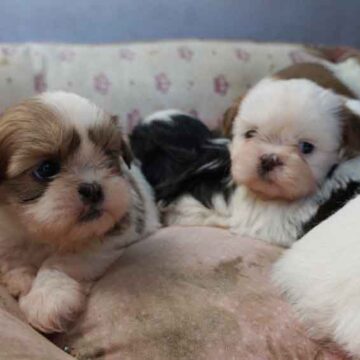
point(290, 139)
point(70, 202)
point(179, 154)
point(320, 277)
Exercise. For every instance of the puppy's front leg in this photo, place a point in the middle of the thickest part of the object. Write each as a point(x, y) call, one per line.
point(59, 291)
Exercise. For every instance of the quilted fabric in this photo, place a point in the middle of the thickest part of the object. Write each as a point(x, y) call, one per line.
point(134, 80)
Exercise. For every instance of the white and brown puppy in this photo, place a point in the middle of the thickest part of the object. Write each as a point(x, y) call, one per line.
point(70, 202)
point(292, 136)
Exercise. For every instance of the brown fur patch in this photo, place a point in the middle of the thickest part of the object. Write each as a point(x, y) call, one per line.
point(229, 117)
point(121, 226)
point(111, 140)
point(25, 188)
point(317, 73)
point(31, 132)
point(351, 133)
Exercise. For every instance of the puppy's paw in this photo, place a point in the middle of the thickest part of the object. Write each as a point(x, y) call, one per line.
point(18, 281)
point(51, 306)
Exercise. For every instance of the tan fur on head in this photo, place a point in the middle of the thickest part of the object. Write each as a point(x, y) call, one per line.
point(284, 114)
point(229, 117)
point(350, 116)
point(37, 131)
point(303, 103)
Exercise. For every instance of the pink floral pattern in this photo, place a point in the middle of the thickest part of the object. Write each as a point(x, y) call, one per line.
point(126, 54)
point(221, 85)
point(40, 84)
point(202, 77)
point(133, 118)
point(8, 51)
point(242, 55)
point(162, 83)
point(185, 53)
point(66, 55)
point(102, 83)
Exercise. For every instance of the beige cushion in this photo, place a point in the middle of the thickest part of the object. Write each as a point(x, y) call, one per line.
point(190, 293)
point(18, 341)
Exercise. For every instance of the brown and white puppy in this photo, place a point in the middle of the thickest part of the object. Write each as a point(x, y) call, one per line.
point(290, 129)
point(70, 202)
point(295, 138)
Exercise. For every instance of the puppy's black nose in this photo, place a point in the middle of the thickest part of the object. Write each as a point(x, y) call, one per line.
point(268, 162)
point(91, 193)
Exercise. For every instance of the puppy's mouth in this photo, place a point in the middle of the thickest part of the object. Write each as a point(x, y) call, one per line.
point(91, 214)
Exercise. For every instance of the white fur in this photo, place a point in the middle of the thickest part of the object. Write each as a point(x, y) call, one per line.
point(320, 276)
point(164, 115)
point(276, 222)
point(290, 111)
point(354, 106)
point(348, 72)
point(83, 113)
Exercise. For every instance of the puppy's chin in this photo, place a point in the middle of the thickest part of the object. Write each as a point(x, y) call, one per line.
point(290, 181)
point(60, 219)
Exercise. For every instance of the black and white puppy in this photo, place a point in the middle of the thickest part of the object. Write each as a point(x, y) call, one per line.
point(180, 155)
point(192, 173)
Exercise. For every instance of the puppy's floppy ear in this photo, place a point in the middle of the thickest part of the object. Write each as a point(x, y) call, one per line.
point(229, 117)
point(351, 128)
point(126, 152)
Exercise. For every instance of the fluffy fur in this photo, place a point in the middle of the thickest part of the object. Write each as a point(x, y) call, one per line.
point(179, 154)
point(320, 277)
point(274, 190)
point(60, 233)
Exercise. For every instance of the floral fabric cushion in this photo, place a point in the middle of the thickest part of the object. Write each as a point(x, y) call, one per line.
point(184, 293)
point(134, 80)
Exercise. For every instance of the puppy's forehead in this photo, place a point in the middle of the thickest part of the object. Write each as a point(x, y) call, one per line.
point(297, 104)
point(94, 125)
point(32, 131)
point(74, 109)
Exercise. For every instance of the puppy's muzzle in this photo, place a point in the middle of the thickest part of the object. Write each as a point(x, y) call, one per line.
point(268, 162)
point(91, 193)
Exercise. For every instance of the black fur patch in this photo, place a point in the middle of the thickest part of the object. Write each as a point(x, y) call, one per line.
point(181, 157)
point(337, 200)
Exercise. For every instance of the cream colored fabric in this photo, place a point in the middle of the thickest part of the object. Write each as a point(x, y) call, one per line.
point(133, 80)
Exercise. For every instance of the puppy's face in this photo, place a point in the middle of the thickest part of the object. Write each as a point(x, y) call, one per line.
point(62, 168)
point(286, 138)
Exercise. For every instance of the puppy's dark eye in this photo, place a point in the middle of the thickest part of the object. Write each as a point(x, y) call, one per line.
point(47, 170)
point(306, 147)
point(113, 157)
point(250, 134)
